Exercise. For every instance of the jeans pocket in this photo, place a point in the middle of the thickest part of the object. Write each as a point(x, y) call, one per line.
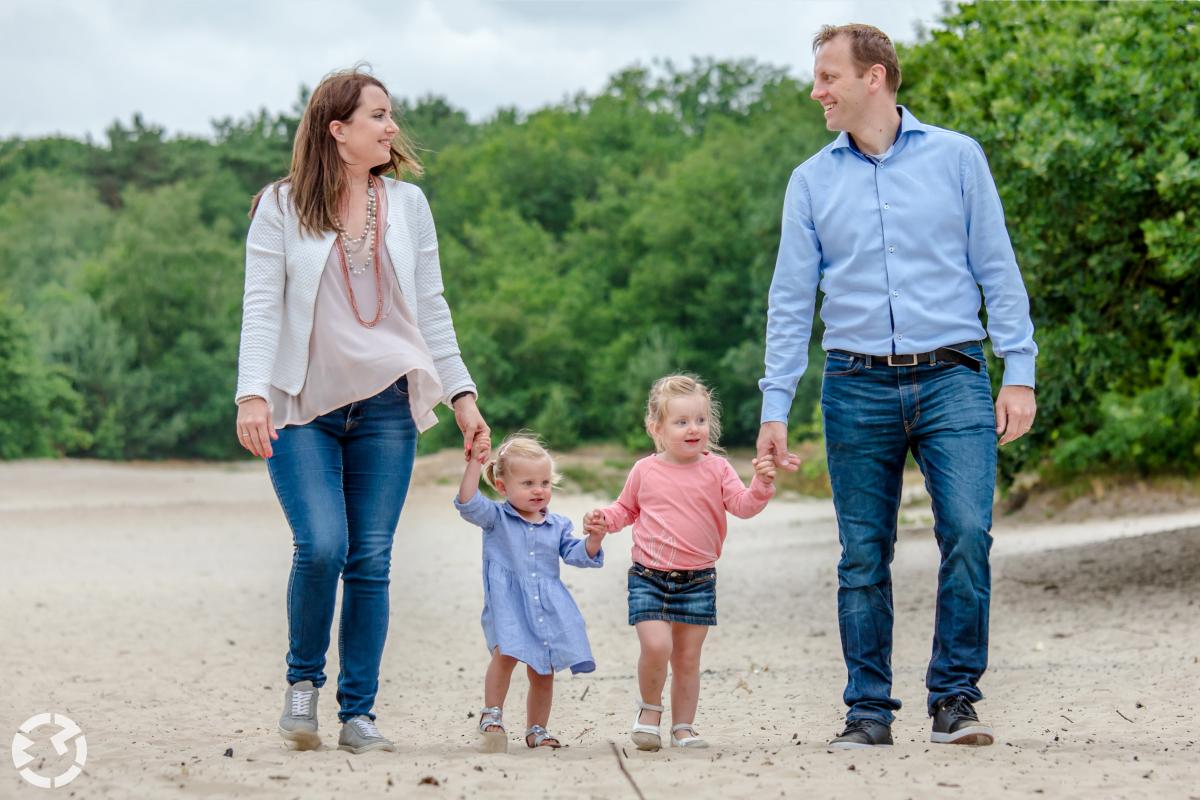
point(400, 387)
point(837, 364)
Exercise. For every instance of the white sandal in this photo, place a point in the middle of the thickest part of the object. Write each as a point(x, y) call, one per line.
point(693, 741)
point(646, 737)
point(493, 741)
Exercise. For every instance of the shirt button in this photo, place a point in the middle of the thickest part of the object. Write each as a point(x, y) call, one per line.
point(899, 335)
point(539, 619)
point(894, 294)
point(535, 597)
point(892, 249)
point(530, 552)
point(546, 643)
point(534, 574)
point(885, 205)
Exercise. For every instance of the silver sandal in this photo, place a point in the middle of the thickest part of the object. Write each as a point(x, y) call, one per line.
point(493, 741)
point(541, 735)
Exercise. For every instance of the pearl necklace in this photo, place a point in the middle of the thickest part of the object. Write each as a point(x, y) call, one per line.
point(370, 233)
point(355, 246)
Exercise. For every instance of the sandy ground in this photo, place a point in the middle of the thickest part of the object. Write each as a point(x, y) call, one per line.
point(146, 603)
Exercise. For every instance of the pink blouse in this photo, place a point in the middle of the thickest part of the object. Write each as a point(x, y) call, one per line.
point(348, 362)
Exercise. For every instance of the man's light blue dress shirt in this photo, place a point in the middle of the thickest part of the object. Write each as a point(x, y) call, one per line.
point(899, 244)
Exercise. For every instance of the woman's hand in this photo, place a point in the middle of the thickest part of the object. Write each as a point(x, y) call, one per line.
point(477, 442)
point(254, 429)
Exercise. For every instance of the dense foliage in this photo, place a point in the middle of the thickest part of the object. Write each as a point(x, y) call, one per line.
point(593, 245)
point(1090, 116)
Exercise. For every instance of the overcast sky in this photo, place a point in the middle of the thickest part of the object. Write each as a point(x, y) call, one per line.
point(73, 66)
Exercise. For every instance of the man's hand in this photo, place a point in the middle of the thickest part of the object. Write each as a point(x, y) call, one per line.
point(772, 441)
point(1016, 407)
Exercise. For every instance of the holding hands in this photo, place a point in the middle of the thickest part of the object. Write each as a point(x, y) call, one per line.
point(477, 441)
point(594, 525)
point(772, 442)
point(764, 468)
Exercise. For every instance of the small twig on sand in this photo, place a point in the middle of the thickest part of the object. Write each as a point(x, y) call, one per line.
point(585, 691)
point(1068, 719)
point(348, 764)
point(624, 771)
point(1127, 719)
point(584, 733)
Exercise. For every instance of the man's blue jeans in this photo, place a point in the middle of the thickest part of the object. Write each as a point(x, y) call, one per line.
point(341, 480)
point(873, 417)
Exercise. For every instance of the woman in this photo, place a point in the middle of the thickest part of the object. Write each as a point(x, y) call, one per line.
point(347, 345)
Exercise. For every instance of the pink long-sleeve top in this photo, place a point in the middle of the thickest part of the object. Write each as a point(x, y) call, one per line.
point(678, 510)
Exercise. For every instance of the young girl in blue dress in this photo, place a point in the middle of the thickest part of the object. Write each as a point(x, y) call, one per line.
point(528, 614)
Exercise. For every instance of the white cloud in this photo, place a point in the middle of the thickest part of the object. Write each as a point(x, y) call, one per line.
point(73, 66)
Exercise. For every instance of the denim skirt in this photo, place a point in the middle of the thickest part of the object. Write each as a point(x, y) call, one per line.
point(688, 596)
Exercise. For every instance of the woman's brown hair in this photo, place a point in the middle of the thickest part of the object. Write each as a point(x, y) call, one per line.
point(316, 177)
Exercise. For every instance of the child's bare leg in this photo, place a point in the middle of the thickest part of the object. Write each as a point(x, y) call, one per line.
point(496, 681)
point(541, 696)
point(654, 635)
point(687, 640)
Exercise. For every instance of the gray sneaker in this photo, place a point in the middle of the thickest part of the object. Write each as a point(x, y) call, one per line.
point(298, 724)
point(359, 735)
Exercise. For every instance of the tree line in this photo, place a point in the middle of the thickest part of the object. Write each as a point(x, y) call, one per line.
point(594, 244)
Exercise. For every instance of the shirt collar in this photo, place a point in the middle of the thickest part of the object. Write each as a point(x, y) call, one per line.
point(908, 124)
point(512, 512)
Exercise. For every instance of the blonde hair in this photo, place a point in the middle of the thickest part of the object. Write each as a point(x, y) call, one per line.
point(672, 387)
point(521, 444)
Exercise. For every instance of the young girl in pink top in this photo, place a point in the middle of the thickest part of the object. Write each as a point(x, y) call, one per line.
point(676, 501)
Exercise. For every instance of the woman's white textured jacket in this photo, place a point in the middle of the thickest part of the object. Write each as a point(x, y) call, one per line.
point(283, 272)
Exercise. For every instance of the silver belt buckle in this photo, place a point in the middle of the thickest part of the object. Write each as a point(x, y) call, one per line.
point(911, 362)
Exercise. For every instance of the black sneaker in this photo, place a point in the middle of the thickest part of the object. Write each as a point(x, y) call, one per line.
point(955, 722)
point(862, 733)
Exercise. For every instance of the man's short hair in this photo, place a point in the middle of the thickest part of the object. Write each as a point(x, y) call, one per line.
point(868, 46)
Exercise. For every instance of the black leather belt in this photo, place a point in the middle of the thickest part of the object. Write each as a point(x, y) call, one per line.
point(676, 575)
point(952, 354)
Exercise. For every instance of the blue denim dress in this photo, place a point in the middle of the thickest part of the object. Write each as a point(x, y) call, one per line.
point(527, 611)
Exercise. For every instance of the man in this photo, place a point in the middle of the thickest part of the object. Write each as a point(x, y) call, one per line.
point(899, 223)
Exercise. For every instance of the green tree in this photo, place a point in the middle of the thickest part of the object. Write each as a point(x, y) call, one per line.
point(1089, 119)
point(38, 408)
